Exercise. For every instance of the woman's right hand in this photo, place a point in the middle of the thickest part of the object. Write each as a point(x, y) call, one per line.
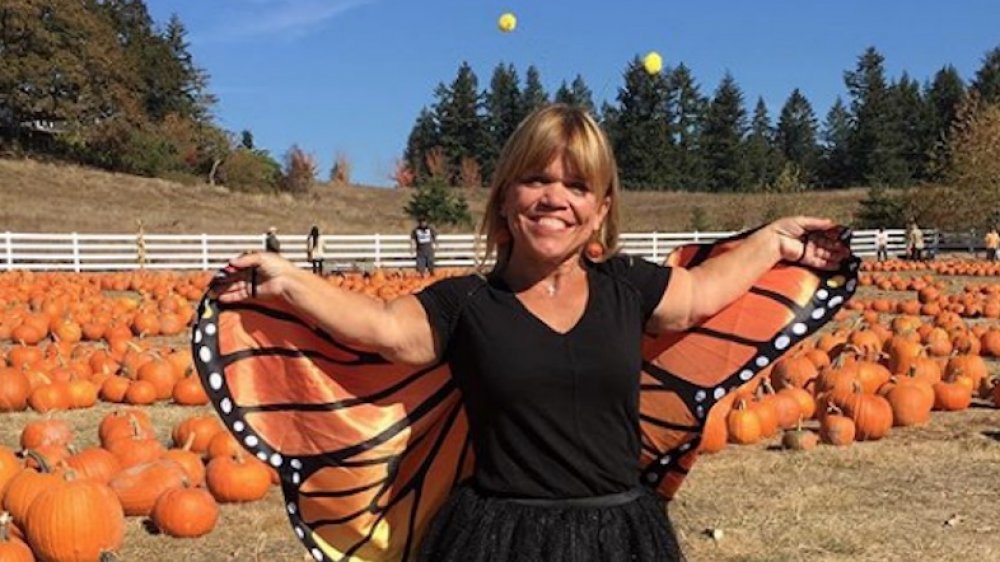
point(253, 275)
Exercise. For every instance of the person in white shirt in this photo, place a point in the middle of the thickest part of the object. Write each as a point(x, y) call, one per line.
point(882, 244)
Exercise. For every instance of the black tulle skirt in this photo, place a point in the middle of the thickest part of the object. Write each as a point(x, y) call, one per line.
point(473, 527)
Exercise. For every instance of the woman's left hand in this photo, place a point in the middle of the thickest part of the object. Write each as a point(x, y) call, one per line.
point(811, 241)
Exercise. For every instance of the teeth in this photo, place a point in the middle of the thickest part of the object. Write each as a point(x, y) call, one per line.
point(551, 222)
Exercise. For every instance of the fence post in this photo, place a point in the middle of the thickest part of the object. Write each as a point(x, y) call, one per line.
point(204, 251)
point(696, 237)
point(10, 250)
point(76, 252)
point(378, 250)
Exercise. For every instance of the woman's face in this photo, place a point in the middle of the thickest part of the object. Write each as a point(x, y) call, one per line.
point(552, 214)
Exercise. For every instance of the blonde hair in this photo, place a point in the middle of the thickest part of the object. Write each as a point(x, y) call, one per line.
point(550, 131)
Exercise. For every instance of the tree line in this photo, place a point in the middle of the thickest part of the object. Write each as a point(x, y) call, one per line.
point(669, 135)
point(100, 83)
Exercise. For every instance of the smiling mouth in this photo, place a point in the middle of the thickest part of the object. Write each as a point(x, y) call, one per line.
point(551, 223)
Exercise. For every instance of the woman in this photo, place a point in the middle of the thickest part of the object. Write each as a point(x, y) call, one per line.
point(545, 348)
point(314, 250)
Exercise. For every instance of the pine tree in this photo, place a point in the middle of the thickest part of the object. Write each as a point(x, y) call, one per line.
point(987, 81)
point(835, 166)
point(908, 133)
point(722, 139)
point(461, 127)
point(534, 95)
point(869, 151)
point(503, 112)
point(188, 94)
point(685, 113)
point(942, 98)
point(423, 137)
point(577, 94)
point(638, 128)
point(796, 136)
point(763, 159)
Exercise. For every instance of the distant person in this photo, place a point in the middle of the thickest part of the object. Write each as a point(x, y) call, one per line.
point(915, 242)
point(271, 243)
point(992, 243)
point(423, 240)
point(314, 250)
point(881, 244)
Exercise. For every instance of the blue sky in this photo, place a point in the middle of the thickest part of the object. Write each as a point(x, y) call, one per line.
point(350, 76)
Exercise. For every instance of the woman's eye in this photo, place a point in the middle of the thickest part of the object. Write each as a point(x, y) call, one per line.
point(579, 188)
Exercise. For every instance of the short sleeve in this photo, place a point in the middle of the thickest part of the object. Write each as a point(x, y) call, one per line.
point(443, 302)
point(647, 278)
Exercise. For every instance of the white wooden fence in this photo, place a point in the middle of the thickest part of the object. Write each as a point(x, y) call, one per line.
point(93, 252)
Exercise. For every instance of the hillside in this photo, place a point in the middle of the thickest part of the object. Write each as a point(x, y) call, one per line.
point(45, 197)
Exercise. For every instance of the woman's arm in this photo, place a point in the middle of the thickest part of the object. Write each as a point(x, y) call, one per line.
point(398, 330)
point(701, 292)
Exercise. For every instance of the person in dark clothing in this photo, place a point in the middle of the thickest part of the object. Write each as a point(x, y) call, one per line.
point(314, 250)
point(545, 346)
point(423, 242)
point(271, 243)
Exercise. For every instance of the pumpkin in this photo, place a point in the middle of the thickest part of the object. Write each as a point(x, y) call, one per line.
point(185, 512)
point(202, 428)
point(136, 450)
point(223, 444)
point(10, 466)
point(952, 396)
point(240, 478)
point(835, 428)
point(12, 549)
point(714, 437)
point(190, 461)
point(798, 371)
point(14, 390)
point(910, 402)
point(95, 463)
point(189, 392)
point(75, 520)
point(160, 373)
point(743, 424)
point(799, 439)
point(871, 414)
point(24, 488)
point(125, 423)
point(139, 487)
point(46, 432)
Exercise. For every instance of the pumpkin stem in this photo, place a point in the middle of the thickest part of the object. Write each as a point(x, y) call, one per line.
point(43, 464)
point(188, 442)
point(5, 519)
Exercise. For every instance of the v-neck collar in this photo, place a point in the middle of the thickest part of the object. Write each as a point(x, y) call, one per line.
point(519, 305)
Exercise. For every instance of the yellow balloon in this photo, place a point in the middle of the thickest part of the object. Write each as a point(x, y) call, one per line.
point(653, 62)
point(507, 22)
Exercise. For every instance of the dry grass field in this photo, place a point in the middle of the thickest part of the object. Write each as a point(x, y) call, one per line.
point(43, 197)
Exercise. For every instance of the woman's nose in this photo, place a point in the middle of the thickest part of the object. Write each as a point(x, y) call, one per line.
point(554, 194)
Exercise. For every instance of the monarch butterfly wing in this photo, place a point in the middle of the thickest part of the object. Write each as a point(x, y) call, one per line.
point(366, 449)
point(685, 374)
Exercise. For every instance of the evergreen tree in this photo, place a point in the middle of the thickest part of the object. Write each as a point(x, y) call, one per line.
point(246, 139)
point(987, 81)
point(638, 128)
point(462, 129)
point(835, 167)
point(722, 139)
point(534, 95)
point(908, 133)
point(942, 98)
point(869, 153)
point(503, 113)
point(762, 158)
point(685, 113)
point(423, 137)
point(577, 94)
point(796, 136)
point(187, 90)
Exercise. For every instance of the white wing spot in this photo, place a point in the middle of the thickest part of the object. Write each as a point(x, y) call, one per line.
point(226, 405)
point(822, 294)
point(291, 508)
point(296, 464)
point(300, 533)
point(782, 341)
point(835, 301)
point(215, 381)
point(799, 329)
point(251, 440)
point(239, 426)
point(296, 478)
point(276, 460)
point(818, 313)
point(210, 329)
point(204, 354)
point(197, 336)
point(746, 374)
point(700, 396)
point(762, 361)
point(665, 460)
point(718, 393)
point(317, 555)
point(851, 284)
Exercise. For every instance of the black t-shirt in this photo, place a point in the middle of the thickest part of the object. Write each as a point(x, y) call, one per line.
point(424, 238)
point(551, 415)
